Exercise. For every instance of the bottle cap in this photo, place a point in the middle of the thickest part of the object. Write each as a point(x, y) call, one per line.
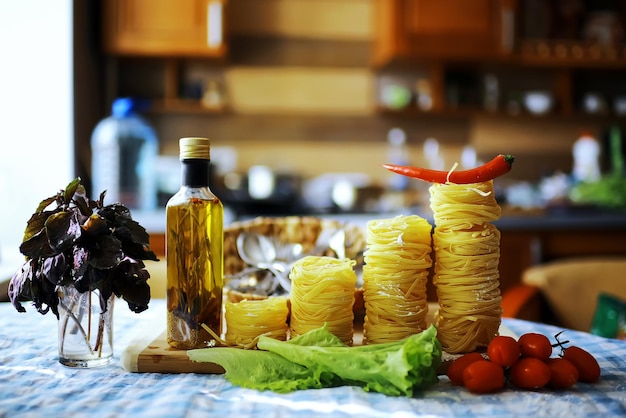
point(195, 148)
point(122, 107)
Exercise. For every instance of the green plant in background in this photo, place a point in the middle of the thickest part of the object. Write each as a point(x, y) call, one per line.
point(610, 190)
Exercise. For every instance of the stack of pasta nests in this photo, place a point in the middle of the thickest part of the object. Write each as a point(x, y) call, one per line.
point(323, 288)
point(322, 293)
point(467, 248)
point(398, 261)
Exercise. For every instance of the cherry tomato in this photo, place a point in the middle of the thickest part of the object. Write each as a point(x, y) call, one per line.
point(483, 376)
point(455, 370)
point(587, 365)
point(530, 373)
point(535, 345)
point(503, 350)
point(563, 373)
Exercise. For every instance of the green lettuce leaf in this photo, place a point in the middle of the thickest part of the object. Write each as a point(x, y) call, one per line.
point(319, 359)
point(254, 369)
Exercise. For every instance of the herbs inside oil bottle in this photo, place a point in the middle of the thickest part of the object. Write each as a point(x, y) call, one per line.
point(194, 251)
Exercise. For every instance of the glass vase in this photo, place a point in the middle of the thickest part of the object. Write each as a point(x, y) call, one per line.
point(85, 328)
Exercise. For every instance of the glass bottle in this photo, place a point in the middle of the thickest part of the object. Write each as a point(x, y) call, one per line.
point(194, 252)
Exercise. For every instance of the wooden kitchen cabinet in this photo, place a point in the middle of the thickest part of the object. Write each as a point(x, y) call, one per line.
point(162, 28)
point(463, 44)
point(446, 29)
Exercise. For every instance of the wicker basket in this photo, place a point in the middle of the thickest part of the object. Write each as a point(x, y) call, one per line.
point(290, 229)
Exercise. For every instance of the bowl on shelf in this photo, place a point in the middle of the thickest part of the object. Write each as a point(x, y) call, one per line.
point(538, 102)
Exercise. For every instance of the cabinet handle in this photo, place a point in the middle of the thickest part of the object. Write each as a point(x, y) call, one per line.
point(214, 24)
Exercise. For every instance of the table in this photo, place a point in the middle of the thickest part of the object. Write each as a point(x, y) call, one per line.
point(34, 384)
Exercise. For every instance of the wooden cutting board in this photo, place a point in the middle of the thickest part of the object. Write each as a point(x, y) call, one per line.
point(156, 356)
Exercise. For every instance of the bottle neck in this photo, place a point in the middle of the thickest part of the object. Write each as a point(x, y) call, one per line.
point(195, 172)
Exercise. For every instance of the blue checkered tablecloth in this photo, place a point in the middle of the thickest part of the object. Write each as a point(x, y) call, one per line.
point(34, 384)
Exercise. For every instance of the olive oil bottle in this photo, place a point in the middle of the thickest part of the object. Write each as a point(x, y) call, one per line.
point(194, 252)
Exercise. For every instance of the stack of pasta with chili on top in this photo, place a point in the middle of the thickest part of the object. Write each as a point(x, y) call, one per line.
point(467, 252)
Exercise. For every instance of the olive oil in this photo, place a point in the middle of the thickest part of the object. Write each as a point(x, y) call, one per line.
point(194, 252)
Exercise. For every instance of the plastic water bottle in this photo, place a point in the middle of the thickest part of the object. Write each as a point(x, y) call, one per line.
point(124, 150)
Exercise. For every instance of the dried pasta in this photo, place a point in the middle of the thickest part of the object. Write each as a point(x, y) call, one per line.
point(397, 263)
point(467, 253)
point(247, 320)
point(322, 291)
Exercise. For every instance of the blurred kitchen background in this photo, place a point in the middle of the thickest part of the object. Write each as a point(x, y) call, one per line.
point(303, 101)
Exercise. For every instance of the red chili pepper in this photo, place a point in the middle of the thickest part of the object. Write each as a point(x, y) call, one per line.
point(500, 165)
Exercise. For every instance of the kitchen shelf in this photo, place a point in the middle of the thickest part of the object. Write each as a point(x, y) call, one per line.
point(186, 106)
point(471, 112)
point(458, 89)
point(459, 112)
point(413, 111)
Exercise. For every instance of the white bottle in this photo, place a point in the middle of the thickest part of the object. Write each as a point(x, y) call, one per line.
point(586, 152)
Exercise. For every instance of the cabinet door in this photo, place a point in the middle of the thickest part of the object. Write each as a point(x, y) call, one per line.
point(164, 27)
point(445, 28)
